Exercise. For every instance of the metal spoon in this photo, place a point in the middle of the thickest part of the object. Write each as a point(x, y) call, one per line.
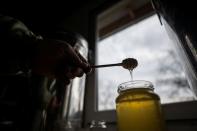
point(129, 63)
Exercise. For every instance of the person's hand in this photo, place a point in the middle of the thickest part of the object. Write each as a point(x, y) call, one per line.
point(57, 59)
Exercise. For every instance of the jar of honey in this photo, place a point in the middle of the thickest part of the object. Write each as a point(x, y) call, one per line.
point(138, 107)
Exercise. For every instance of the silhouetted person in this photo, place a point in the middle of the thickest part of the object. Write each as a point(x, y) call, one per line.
point(22, 50)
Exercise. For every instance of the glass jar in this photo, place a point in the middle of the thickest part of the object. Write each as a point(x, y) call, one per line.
point(138, 107)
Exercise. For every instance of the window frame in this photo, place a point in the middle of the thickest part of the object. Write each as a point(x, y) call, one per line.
point(172, 112)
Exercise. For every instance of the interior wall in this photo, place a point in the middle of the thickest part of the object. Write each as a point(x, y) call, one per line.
point(42, 17)
point(79, 21)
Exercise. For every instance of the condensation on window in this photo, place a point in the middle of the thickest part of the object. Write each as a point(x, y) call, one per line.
point(148, 42)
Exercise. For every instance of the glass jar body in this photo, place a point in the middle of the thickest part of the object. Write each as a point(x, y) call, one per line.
point(139, 108)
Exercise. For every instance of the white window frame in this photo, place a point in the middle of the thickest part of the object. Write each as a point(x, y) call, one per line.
point(172, 112)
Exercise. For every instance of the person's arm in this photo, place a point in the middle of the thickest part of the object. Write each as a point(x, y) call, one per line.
point(22, 50)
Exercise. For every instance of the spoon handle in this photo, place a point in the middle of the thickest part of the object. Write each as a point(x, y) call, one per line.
point(107, 65)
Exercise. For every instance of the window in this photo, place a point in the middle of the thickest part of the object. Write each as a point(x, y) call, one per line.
point(148, 42)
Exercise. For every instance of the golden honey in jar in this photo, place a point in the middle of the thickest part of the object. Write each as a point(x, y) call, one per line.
point(138, 107)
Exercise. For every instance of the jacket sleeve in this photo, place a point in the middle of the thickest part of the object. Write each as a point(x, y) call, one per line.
point(17, 45)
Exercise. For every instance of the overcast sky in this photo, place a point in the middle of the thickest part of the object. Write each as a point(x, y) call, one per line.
point(148, 42)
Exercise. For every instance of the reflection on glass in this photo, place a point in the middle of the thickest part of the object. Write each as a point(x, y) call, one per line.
point(148, 42)
point(98, 125)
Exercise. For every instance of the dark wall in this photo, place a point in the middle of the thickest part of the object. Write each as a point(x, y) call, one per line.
point(42, 17)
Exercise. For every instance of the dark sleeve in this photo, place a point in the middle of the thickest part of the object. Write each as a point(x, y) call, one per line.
point(17, 45)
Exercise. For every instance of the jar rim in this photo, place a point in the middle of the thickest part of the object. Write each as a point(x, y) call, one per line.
point(135, 84)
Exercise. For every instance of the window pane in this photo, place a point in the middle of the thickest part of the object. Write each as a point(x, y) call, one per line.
point(148, 42)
